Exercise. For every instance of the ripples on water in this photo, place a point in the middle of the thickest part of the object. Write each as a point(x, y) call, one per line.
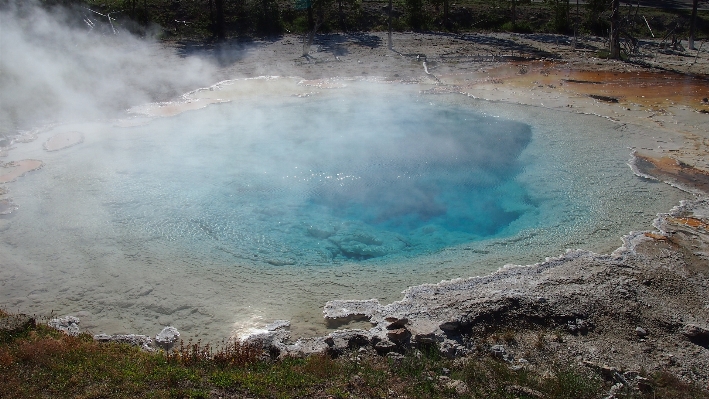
point(321, 180)
point(265, 209)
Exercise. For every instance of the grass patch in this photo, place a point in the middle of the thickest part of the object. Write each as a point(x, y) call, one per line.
point(41, 362)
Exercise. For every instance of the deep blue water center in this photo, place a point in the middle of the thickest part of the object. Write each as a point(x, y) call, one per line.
point(431, 166)
point(330, 178)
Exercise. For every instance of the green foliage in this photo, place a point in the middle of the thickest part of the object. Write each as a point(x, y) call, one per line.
point(195, 19)
point(415, 12)
point(606, 55)
point(595, 21)
point(561, 22)
point(519, 27)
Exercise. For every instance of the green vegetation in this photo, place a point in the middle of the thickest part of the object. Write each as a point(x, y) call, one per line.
point(201, 19)
point(40, 362)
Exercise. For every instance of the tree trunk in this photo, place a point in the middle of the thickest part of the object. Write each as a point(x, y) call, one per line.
point(311, 20)
point(212, 22)
point(220, 25)
point(693, 24)
point(446, 7)
point(313, 26)
point(514, 13)
point(341, 15)
point(266, 16)
point(389, 41)
point(615, 30)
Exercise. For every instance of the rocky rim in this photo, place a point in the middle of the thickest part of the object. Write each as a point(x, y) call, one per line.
point(644, 307)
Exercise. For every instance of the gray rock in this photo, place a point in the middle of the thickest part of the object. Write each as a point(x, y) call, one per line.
point(498, 351)
point(384, 346)
point(346, 309)
point(578, 326)
point(67, 324)
point(273, 340)
point(348, 339)
point(399, 335)
point(278, 325)
point(16, 323)
point(395, 322)
point(641, 332)
point(452, 349)
point(695, 331)
point(167, 338)
point(395, 356)
point(450, 326)
point(458, 386)
point(143, 341)
point(305, 347)
point(424, 331)
point(631, 375)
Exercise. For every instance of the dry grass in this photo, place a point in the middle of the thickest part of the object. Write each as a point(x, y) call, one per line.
point(42, 362)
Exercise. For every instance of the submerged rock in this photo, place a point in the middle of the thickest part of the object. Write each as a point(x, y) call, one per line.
point(341, 309)
point(63, 140)
point(278, 325)
point(7, 206)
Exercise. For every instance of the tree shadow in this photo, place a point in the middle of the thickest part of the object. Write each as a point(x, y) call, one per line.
point(335, 43)
point(502, 45)
point(222, 53)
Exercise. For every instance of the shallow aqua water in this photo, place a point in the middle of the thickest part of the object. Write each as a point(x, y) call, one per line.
point(322, 180)
point(241, 213)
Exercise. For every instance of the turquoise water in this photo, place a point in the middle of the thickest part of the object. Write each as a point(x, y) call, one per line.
point(229, 217)
point(310, 181)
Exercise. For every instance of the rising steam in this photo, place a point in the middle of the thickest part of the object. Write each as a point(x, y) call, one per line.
point(56, 67)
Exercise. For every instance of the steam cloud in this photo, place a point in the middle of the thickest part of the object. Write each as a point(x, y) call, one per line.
point(53, 67)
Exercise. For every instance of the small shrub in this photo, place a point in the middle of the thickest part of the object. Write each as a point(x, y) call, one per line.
point(519, 27)
point(236, 354)
point(321, 366)
point(666, 385)
point(6, 358)
point(509, 337)
point(541, 342)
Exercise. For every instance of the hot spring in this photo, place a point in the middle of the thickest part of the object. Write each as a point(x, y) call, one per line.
point(265, 206)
